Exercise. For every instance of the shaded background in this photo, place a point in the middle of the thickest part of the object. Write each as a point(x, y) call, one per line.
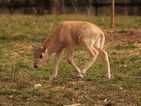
point(89, 7)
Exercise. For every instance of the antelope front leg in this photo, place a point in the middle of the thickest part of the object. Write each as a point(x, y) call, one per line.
point(70, 60)
point(56, 64)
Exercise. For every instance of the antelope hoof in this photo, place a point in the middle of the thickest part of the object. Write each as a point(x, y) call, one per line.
point(109, 77)
point(79, 75)
point(52, 77)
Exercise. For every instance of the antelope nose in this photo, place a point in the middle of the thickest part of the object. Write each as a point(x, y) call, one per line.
point(35, 66)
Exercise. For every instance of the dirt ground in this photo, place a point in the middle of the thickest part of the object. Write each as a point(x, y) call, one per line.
point(114, 37)
point(123, 37)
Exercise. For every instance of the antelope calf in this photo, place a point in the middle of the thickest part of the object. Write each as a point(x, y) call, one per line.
point(67, 35)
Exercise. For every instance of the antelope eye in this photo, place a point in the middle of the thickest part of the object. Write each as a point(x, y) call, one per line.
point(41, 56)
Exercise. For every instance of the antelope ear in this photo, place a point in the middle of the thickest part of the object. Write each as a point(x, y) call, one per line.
point(33, 45)
point(45, 49)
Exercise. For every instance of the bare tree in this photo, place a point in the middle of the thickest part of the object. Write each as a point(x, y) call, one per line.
point(56, 7)
point(75, 5)
point(89, 7)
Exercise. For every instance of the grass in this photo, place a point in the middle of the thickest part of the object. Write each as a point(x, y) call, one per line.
point(124, 47)
point(18, 77)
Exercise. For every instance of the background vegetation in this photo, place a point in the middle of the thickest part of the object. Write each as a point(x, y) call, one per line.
point(89, 7)
point(18, 78)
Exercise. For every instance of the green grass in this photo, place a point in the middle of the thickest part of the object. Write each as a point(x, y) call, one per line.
point(18, 77)
point(124, 47)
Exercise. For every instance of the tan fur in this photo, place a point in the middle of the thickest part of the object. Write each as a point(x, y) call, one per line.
point(67, 35)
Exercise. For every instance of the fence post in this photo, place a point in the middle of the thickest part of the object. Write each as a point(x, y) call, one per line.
point(112, 13)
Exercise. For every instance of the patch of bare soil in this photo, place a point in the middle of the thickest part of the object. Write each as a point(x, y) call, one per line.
point(124, 37)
